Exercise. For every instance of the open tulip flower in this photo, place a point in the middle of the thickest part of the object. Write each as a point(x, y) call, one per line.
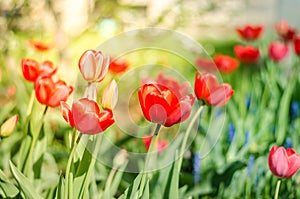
point(247, 54)
point(51, 92)
point(225, 63)
point(93, 65)
point(283, 163)
point(284, 31)
point(250, 32)
point(160, 105)
point(118, 66)
point(278, 51)
point(40, 45)
point(210, 91)
point(32, 69)
point(86, 117)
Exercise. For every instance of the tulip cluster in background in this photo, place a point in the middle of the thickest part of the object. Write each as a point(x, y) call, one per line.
point(53, 134)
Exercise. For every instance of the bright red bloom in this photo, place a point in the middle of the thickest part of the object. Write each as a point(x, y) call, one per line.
point(118, 66)
point(210, 91)
point(40, 45)
point(284, 31)
point(247, 54)
point(250, 32)
point(32, 69)
point(226, 64)
point(277, 51)
point(283, 163)
point(86, 117)
point(93, 65)
point(205, 64)
point(297, 45)
point(160, 105)
point(51, 92)
point(161, 145)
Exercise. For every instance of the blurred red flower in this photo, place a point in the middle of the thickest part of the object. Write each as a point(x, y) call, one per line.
point(297, 45)
point(284, 31)
point(161, 145)
point(226, 64)
point(249, 32)
point(32, 69)
point(210, 91)
point(40, 45)
point(93, 65)
point(160, 105)
point(277, 51)
point(86, 117)
point(118, 66)
point(247, 54)
point(205, 64)
point(51, 92)
point(283, 163)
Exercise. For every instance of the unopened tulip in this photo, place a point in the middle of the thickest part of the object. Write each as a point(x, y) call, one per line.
point(8, 126)
point(110, 96)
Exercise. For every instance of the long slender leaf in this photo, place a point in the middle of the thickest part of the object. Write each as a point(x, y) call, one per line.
point(7, 188)
point(24, 184)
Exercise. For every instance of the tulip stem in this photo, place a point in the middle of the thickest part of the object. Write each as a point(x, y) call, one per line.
point(187, 133)
point(28, 163)
point(154, 140)
point(277, 189)
point(74, 146)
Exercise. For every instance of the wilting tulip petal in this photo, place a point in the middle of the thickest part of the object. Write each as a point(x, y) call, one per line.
point(283, 163)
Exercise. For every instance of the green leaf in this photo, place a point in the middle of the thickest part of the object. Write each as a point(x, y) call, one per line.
point(7, 188)
point(132, 191)
point(60, 188)
point(146, 193)
point(173, 181)
point(24, 184)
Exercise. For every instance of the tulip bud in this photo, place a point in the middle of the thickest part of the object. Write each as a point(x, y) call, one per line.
point(93, 65)
point(110, 96)
point(8, 127)
point(120, 158)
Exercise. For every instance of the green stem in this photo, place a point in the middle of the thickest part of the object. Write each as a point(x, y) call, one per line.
point(187, 133)
point(27, 169)
point(91, 166)
point(277, 189)
point(70, 160)
point(148, 156)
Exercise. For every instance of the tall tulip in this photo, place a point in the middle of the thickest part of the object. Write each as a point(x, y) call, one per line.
point(277, 51)
point(86, 117)
point(51, 92)
point(93, 65)
point(283, 163)
point(160, 105)
point(32, 69)
point(210, 91)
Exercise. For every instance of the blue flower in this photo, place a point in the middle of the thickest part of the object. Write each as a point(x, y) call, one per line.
point(250, 165)
point(294, 110)
point(231, 133)
point(288, 143)
point(196, 167)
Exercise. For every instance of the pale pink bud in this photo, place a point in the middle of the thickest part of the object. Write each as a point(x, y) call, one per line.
point(9, 126)
point(110, 95)
point(93, 65)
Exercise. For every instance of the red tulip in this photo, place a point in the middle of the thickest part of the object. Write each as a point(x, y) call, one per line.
point(93, 65)
point(247, 54)
point(118, 66)
point(40, 46)
point(51, 92)
point(86, 117)
point(32, 69)
point(283, 163)
point(250, 32)
point(284, 31)
point(161, 144)
point(277, 51)
point(226, 64)
point(205, 64)
point(297, 46)
point(160, 105)
point(210, 91)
